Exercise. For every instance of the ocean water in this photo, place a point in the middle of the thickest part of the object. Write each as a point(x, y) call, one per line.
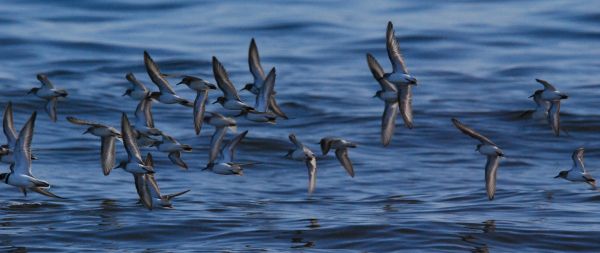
point(425, 192)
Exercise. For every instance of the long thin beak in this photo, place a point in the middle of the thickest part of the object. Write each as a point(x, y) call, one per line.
point(531, 96)
point(86, 131)
point(557, 176)
point(216, 102)
point(179, 83)
point(242, 89)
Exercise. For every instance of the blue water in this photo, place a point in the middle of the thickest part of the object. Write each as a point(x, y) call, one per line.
point(425, 192)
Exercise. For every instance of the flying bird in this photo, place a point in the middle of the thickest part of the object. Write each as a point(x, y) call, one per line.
point(259, 78)
point(221, 124)
point(389, 95)
point(577, 173)
point(138, 90)
point(20, 174)
point(261, 112)
point(134, 163)
point(6, 150)
point(230, 99)
point(108, 136)
point(303, 153)
point(166, 94)
point(552, 95)
point(170, 145)
point(201, 87)
point(488, 148)
point(225, 164)
point(341, 151)
point(49, 93)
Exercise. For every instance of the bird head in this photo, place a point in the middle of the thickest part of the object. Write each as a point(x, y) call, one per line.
point(33, 90)
point(248, 87)
point(562, 174)
point(127, 92)
point(220, 100)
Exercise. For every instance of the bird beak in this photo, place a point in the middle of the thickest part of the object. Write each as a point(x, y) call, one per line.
point(179, 82)
point(216, 102)
point(86, 131)
point(557, 176)
point(531, 96)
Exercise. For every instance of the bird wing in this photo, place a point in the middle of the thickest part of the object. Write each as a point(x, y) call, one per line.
point(393, 50)
point(22, 151)
point(133, 151)
point(223, 80)
point(554, 117)
point(405, 99)
point(342, 156)
point(311, 165)
point(9, 126)
point(546, 84)
point(153, 186)
point(82, 122)
point(215, 143)
point(143, 113)
point(199, 109)
point(136, 83)
point(254, 63)
point(491, 167)
point(143, 191)
point(378, 73)
point(45, 81)
point(388, 122)
point(228, 150)
point(155, 76)
point(51, 108)
point(175, 158)
point(577, 157)
point(274, 107)
point(107, 153)
point(266, 92)
point(470, 132)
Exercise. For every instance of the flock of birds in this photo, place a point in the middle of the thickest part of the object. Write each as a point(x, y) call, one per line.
point(395, 92)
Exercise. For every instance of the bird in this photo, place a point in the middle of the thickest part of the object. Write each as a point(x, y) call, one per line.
point(20, 174)
point(166, 94)
point(138, 90)
point(541, 110)
point(341, 151)
point(169, 145)
point(577, 173)
point(201, 87)
point(159, 200)
point(108, 136)
point(303, 153)
point(552, 95)
point(230, 99)
point(48, 92)
point(134, 163)
point(261, 112)
point(225, 164)
point(399, 74)
point(6, 150)
point(144, 123)
point(489, 149)
point(259, 78)
point(389, 95)
point(221, 124)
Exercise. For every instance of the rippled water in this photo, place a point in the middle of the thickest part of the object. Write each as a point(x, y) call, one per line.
point(425, 192)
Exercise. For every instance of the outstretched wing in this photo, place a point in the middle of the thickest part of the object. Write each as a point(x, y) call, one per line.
point(254, 63)
point(199, 109)
point(22, 151)
point(9, 126)
point(577, 157)
point(388, 122)
point(406, 105)
point(155, 76)
point(215, 143)
point(393, 50)
point(378, 73)
point(228, 151)
point(266, 92)
point(223, 80)
point(129, 142)
point(45, 81)
point(143, 113)
point(554, 117)
point(491, 167)
point(107, 153)
point(342, 156)
point(546, 84)
point(470, 132)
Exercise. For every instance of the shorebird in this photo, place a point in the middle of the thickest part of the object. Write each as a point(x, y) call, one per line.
point(552, 95)
point(259, 78)
point(541, 110)
point(138, 90)
point(487, 148)
point(261, 111)
point(225, 164)
point(50, 93)
point(166, 94)
point(341, 151)
point(303, 153)
point(144, 124)
point(389, 95)
point(20, 174)
point(577, 173)
point(169, 145)
point(108, 136)
point(134, 163)
point(221, 124)
point(230, 99)
point(201, 87)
